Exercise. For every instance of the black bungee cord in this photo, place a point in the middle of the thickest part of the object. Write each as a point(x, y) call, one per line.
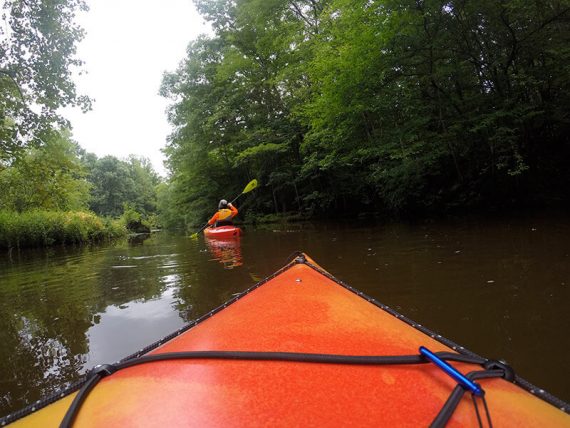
point(441, 419)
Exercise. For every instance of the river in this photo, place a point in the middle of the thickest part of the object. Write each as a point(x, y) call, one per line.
point(498, 286)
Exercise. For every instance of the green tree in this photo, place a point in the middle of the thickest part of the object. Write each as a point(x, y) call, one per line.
point(115, 182)
point(431, 103)
point(168, 214)
point(113, 185)
point(342, 105)
point(37, 55)
point(145, 179)
point(232, 108)
point(48, 177)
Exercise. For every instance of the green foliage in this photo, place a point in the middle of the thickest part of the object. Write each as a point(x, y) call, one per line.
point(343, 105)
point(48, 178)
point(232, 118)
point(41, 174)
point(38, 44)
point(39, 228)
point(45, 194)
point(115, 182)
point(169, 216)
point(133, 220)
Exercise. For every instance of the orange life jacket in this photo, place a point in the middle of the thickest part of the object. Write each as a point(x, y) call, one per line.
point(224, 214)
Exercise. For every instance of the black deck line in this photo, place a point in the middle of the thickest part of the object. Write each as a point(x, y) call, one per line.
point(296, 258)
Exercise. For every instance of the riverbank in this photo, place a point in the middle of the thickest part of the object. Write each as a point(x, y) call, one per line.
point(41, 228)
point(377, 217)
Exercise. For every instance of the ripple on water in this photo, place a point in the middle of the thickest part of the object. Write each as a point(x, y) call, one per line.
point(168, 266)
point(171, 280)
point(151, 257)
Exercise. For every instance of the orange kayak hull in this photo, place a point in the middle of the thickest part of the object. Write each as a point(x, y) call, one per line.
point(299, 309)
point(222, 232)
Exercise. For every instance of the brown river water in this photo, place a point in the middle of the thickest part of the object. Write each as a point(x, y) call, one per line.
point(498, 286)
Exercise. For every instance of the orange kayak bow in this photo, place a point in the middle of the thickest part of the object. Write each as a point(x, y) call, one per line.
point(301, 348)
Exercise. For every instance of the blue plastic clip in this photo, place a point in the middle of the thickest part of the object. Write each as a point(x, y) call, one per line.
point(452, 371)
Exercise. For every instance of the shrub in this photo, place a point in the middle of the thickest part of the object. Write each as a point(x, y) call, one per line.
point(43, 228)
point(133, 220)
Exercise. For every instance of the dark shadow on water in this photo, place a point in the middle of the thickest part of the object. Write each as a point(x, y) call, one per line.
point(138, 238)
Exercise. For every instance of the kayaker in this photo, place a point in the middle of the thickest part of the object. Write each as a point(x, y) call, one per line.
point(226, 212)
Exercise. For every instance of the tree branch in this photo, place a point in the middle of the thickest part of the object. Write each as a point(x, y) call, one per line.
point(16, 84)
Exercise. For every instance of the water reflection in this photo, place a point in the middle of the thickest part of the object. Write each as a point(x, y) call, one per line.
point(226, 251)
point(132, 325)
point(138, 239)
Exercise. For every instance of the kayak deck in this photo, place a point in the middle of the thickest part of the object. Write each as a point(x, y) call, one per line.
point(299, 309)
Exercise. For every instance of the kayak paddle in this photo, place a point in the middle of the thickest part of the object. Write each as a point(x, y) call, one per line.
point(250, 186)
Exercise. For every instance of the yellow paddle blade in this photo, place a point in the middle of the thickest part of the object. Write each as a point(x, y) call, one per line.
point(250, 186)
point(194, 235)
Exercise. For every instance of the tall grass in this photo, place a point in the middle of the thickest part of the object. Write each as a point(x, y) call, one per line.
point(43, 228)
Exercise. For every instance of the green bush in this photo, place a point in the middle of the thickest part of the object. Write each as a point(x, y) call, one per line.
point(115, 227)
point(133, 220)
point(43, 228)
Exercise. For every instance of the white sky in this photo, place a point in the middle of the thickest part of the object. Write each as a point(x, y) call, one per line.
point(128, 46)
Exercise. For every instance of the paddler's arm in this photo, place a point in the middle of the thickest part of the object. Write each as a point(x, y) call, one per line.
point(233, 209)
point(213, 219)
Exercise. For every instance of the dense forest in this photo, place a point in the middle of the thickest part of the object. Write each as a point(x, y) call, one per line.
point(393, 106)
point(337, 107)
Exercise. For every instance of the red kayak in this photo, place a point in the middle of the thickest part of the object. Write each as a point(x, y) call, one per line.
point(222, 232)
point(301, 348)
